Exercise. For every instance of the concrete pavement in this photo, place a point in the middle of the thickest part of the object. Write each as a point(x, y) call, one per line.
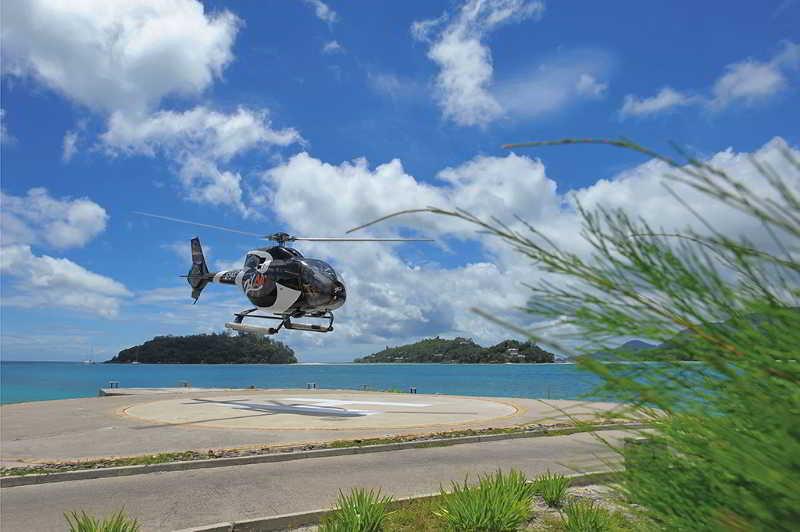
point(133, 425)
point(168, 501)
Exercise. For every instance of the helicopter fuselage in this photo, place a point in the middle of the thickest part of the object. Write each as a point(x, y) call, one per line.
point(279, 280)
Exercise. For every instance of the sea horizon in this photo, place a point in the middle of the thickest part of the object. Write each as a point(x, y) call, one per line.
point(28, 381)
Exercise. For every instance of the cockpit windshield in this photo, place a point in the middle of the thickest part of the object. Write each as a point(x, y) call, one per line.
point(321, 267)
point(252, 261)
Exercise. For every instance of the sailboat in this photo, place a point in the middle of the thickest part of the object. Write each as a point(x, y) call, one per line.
point(91, 359)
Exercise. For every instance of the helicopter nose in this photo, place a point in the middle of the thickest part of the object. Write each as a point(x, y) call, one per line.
point(338, 295)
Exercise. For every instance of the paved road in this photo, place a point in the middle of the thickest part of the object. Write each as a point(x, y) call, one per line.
point(168, 501)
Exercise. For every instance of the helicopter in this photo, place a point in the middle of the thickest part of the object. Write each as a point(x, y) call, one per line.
point(279, 281)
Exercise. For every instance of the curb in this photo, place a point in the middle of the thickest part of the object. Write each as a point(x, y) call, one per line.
point(291, 521)
point(121, 471)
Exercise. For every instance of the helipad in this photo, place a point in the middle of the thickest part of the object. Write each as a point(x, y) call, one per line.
point(321, 410)
point(149, 421)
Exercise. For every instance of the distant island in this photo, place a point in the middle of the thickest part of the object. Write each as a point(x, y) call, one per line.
point(461, 351)
point(641, 349)
point(679, 347)
point(207, 349)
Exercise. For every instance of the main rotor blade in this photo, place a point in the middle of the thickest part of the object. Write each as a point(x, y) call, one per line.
point(171, 219)
point(345, 239)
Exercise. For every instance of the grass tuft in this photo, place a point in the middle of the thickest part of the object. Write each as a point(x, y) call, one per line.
point(118, 522)
point(587, 516)
point(499, 502)
point(552, 487)
point(358, 511)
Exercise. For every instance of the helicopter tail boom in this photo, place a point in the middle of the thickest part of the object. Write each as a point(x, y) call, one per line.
point(198, 276)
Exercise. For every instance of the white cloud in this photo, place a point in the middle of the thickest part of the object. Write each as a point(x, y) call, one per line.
point(5, 136)
point(122, 59)
point(666, 99)
point(124, 54)
point(393, 86)
point(70, 146)
point(332, 47)
point(157, 296)
point(200, 140)
point(182, 251)
point(640, 192)
point(748, 81)
point(391, 299)
point(465, 62)
point(745, 82)
point(60, 223)
point(322, 11)
point(350, 191)
point(200, 130)
point(388, 298)
point(555, 83)
point(44, 281)
point(588, 86)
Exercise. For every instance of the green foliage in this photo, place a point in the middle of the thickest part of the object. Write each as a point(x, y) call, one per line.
point(729, 423)
point(118, 522)
point(552, 487)
point(358, 511)
point(208, 349)
point(587, 516)
point(461, 350)
point(499, 502)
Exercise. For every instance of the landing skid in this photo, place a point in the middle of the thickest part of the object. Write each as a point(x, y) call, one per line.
point(285, 322)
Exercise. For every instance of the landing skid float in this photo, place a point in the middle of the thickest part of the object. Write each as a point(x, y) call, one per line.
point(285, 322)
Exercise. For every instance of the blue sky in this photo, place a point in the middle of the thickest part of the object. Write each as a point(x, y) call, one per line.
point(313, 117)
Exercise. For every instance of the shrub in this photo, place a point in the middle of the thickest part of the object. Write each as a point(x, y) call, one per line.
point(118, 522)
point(552, 487)
point(731, 304)
point(358, 511)
point(586, 516)
point(498, 503)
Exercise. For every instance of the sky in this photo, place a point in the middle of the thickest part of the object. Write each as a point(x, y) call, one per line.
point(313, 117)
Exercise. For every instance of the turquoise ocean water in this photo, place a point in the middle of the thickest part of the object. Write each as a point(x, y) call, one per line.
point(39, 381)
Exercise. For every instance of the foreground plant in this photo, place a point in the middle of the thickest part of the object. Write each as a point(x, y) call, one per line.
point(552, 487)
point(729, 423)
point(587, 516)
point(118, 522)
point(358, 511)
point(499, 502)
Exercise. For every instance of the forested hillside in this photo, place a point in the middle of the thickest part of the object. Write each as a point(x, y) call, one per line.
point(208, 349)
point(461, 350)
